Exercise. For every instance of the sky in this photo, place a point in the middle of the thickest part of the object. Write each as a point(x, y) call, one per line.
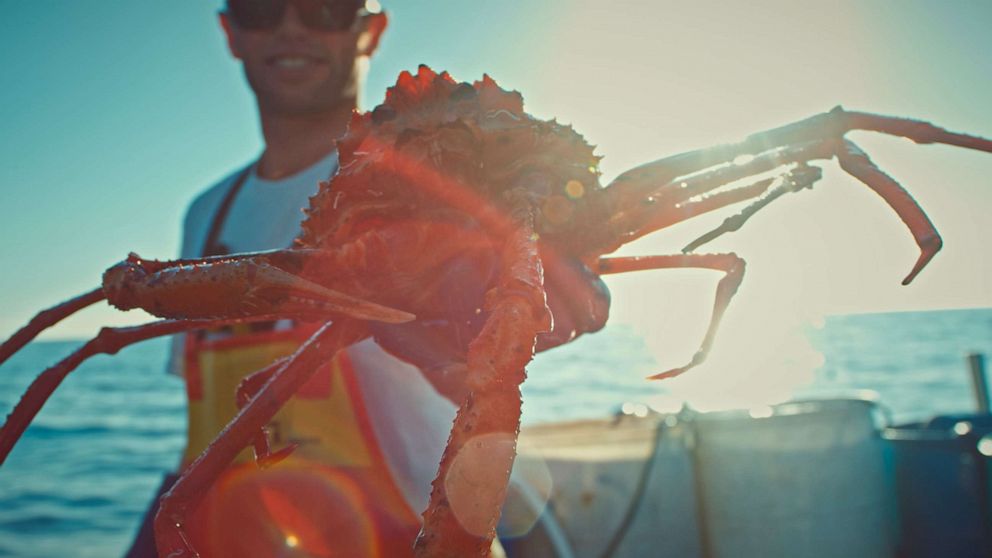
point(116, 113)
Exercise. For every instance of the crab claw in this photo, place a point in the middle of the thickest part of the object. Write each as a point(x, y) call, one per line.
point(231, 287)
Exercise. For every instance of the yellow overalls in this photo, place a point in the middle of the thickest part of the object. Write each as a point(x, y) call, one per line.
point(333, 496)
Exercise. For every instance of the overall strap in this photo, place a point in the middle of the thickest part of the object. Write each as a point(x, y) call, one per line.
point(212, 246)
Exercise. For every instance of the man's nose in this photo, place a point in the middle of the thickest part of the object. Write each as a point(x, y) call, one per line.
point(291, 23)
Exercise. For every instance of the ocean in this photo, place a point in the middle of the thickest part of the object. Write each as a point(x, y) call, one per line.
point(79, 481)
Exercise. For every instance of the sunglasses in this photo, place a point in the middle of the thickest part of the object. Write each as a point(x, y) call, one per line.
point(318, 15)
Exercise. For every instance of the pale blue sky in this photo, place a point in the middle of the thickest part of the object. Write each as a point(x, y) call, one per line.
point(116, 113)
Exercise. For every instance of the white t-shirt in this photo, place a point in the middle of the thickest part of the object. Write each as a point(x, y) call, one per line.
point(266, 214)
point(410, 419)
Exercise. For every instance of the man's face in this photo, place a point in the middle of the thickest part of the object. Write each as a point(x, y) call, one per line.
point(295, 70)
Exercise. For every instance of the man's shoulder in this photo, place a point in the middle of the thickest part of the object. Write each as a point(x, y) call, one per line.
point(205, 204)
point(209, 198)
point(200, 213)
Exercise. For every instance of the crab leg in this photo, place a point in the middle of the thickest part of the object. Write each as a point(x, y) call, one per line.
point(108, 341)
point(853, 160)
point(730, 264)
point(215, 287)
point(237, 285)
point(643, 216)
point(249, 387)
point(470, 487)
point(821, 135)
point(693, 208)
point(857, 163)
point(640, 181)
point(46, 319)
point(197, 479)
point(801, 177)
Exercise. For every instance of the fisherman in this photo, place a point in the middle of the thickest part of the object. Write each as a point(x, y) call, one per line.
point(306, 63)
point(360, 449)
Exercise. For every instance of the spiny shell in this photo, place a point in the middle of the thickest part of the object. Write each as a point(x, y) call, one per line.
point(440, 149)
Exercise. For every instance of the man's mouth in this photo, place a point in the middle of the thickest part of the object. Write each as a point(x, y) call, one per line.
point(294, 61)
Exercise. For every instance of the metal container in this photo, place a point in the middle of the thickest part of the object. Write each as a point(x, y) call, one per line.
point(798, 480)
point(619, 488)
point(943, 487)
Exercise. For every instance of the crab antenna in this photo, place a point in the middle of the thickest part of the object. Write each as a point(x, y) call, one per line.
point(46, 319)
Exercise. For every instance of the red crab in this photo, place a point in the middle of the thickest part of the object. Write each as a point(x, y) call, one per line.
point(440, 172)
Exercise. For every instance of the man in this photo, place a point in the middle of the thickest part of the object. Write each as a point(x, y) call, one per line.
point(305, 61)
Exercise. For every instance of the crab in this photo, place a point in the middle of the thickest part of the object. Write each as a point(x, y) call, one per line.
point(442, 171)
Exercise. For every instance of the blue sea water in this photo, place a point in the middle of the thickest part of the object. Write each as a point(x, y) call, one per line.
point(79, 481)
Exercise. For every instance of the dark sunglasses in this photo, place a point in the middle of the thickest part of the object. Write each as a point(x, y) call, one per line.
point(319, 15)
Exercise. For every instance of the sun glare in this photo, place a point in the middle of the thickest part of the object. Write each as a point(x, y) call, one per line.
point(835, 249)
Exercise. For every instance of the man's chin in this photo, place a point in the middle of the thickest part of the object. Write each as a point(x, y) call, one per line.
point(305, 104)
